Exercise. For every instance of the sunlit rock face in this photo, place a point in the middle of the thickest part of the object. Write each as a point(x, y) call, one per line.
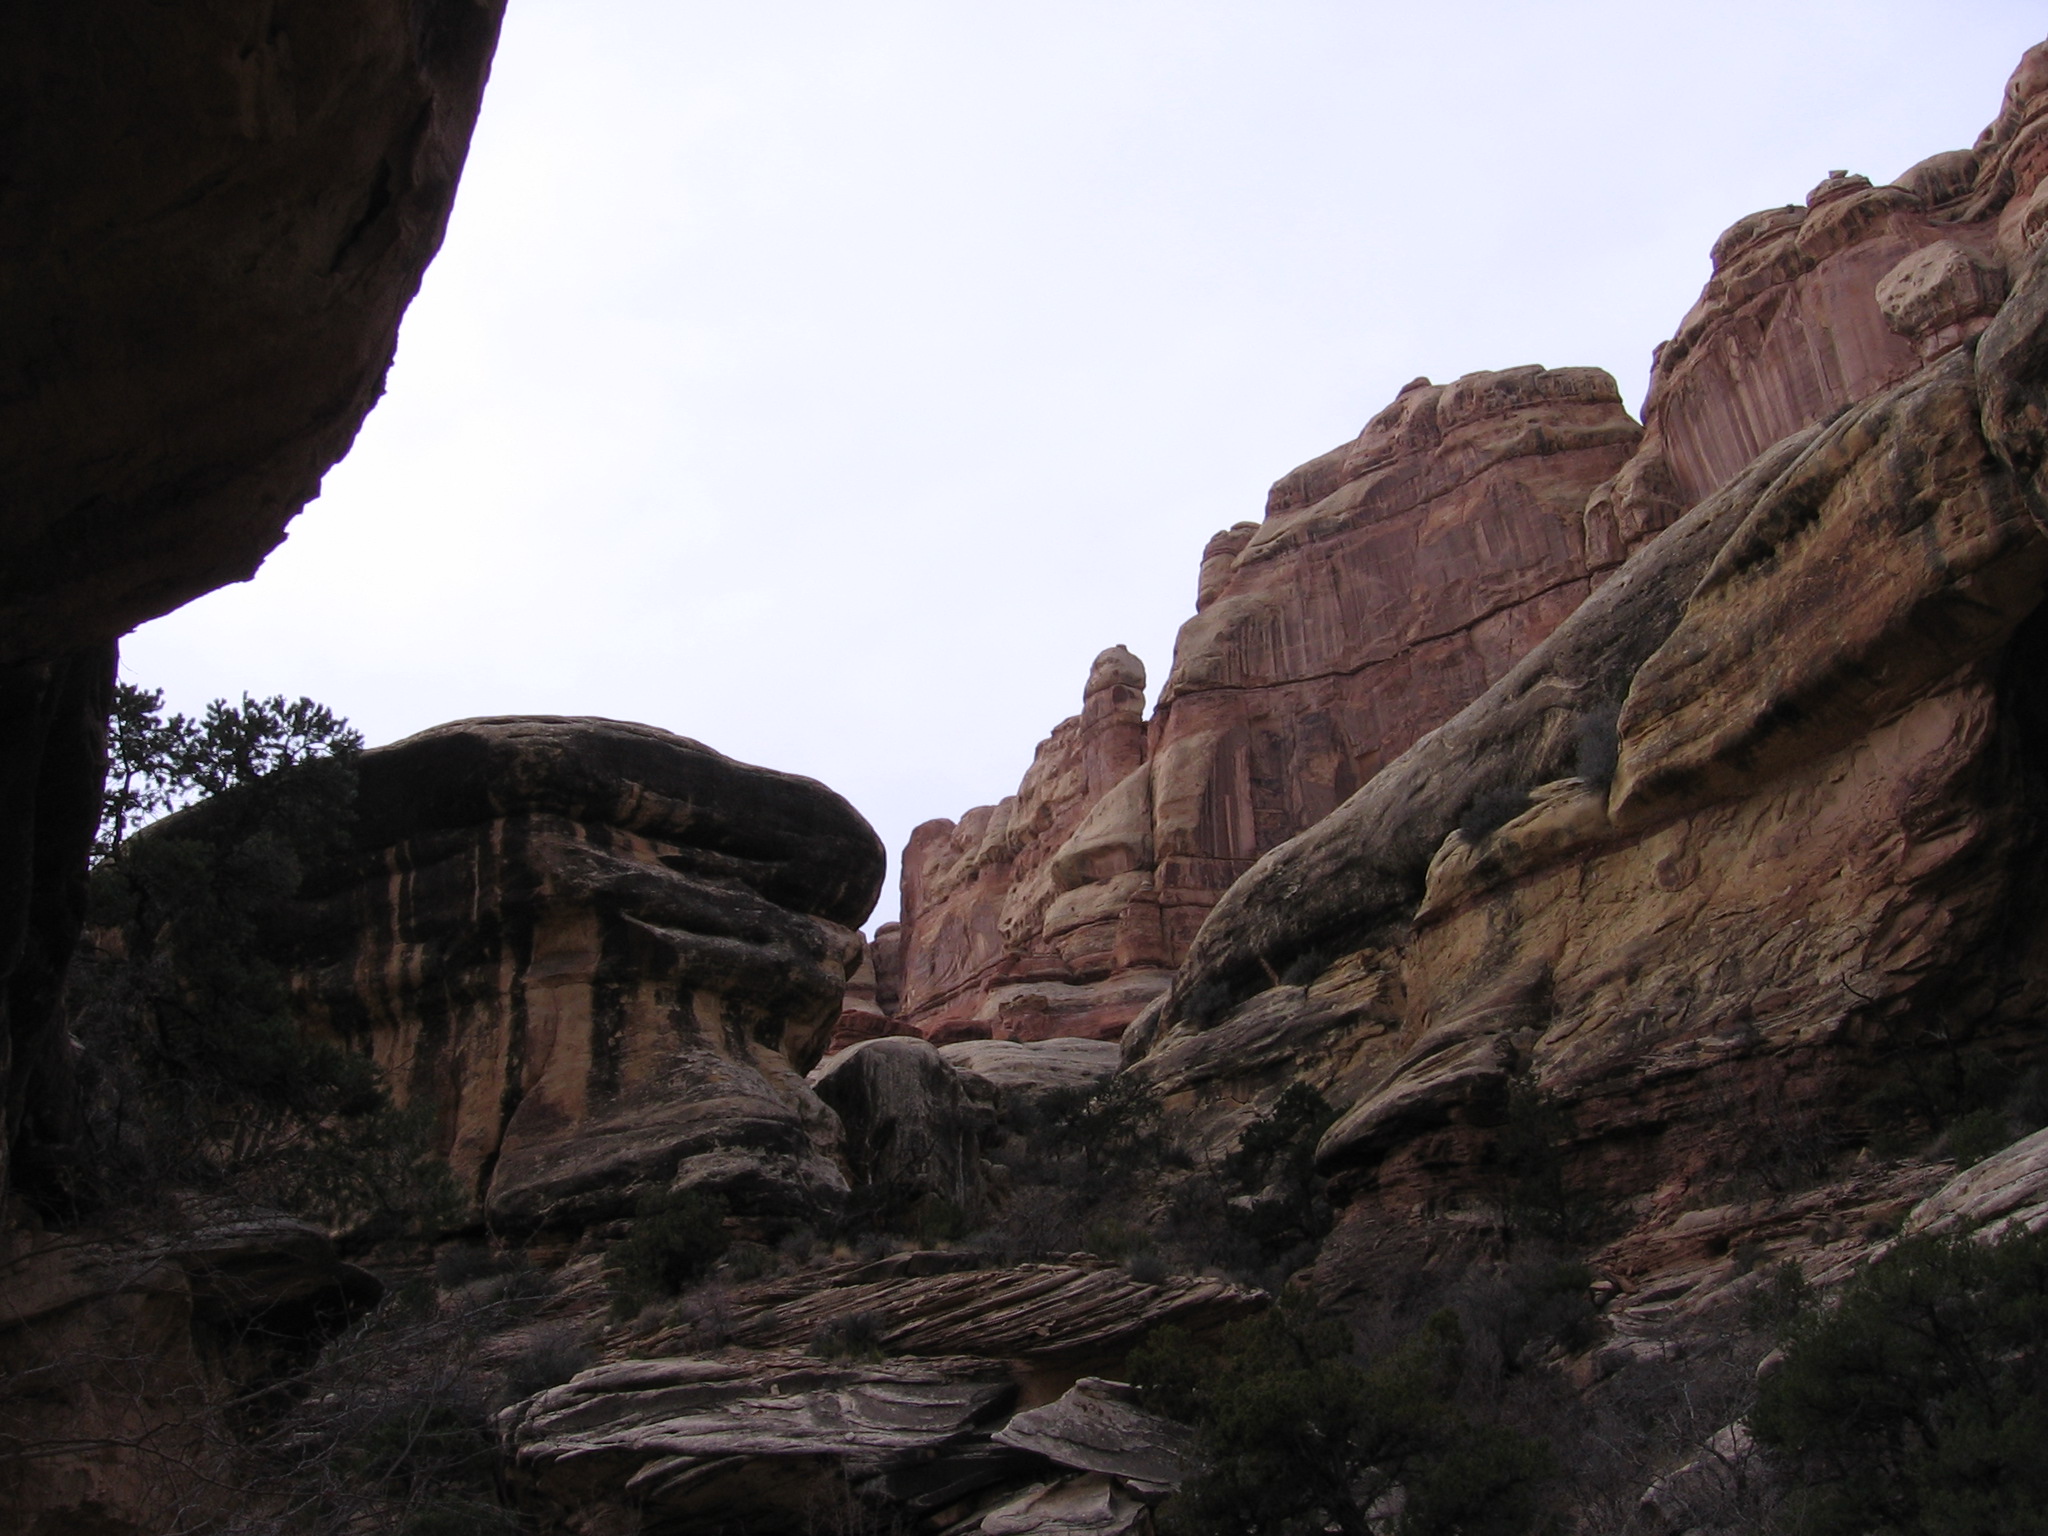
point(605, 956)
point(212, 220)
point(1745, 850)
point(1391, 581)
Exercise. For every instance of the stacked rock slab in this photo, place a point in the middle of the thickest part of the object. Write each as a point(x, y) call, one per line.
point(1791, 897)
point(605, 955)
point(1391, 582)
point(986, 1416)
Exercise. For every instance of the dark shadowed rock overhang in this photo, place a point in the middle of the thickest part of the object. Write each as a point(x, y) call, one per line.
point(211, 221)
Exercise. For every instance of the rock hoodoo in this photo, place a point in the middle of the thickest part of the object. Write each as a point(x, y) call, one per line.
point(606, 955)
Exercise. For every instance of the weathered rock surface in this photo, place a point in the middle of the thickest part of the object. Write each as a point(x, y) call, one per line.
point(605, 954)
point(981, 1418)
point(1060, 1315)
point(1078, 1506)
point(862, 1015)
point(771, 1443)
point(2007, 1190)
point(212, 225)
point(1096, 1426)
point(1027, 1069)
point(115, 1344)
point(1392, 580)
point(1738, 859)
point(912, 1131)
point(1812, 308)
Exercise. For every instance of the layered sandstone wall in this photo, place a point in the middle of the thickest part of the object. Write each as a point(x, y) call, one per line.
point(1397, 578)
point(1793, 901)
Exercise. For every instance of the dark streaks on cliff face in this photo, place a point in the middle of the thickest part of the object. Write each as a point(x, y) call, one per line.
point(532, 941)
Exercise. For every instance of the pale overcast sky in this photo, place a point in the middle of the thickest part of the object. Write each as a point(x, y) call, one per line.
point(831, 381)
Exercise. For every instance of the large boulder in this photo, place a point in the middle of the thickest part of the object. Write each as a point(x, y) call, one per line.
point(912, 1132)
point(1019, 1071)
point(605, 955)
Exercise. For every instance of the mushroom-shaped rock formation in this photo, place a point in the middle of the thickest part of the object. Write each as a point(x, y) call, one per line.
point(604, 954)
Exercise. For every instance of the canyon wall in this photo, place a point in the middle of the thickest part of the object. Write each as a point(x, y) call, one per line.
point(212, 222)
point(1753, 891)
point(604, 955)
point(1397, 578)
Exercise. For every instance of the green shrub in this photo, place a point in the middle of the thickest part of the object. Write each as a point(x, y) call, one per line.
point(205, 1077)
point(1975, 1136)
point(750, 1261)
point(1531, 1147)
point(460, 1263)
point(1491, 809)
point(1147, 1268)
point(1117, 1126)
point(1300, 1438)
point(675, 1240)
point(546, 1361)
point(933, 1219)
point(1275, 1162)
point(1917, 1404)
point(857, 1336)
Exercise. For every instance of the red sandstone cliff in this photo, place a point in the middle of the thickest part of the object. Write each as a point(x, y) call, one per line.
point(1392, 580)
